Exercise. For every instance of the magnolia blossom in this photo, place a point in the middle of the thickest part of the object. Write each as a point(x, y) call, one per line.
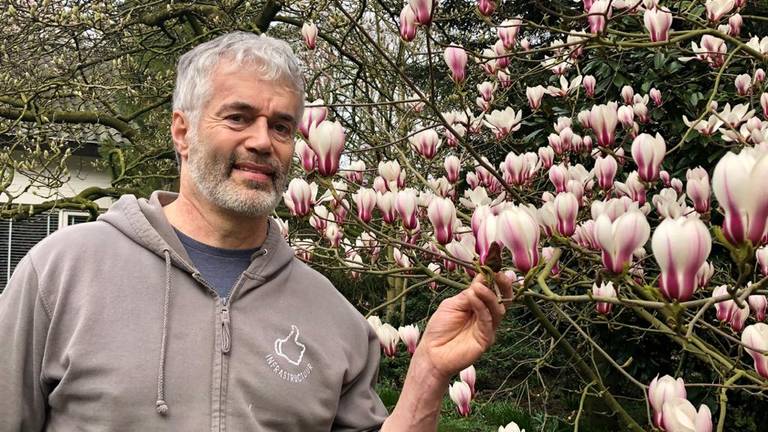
point(662, 390)
point(406, 204)
point(762, 259)
point(461, 395)
point(407, 24)
point(743, 84)
point(764, 104)
point(510, 427)
point(648, 153)
point(519, 169)
point(655, 95)
point(668, 204)
point(758, 304)
point(626, 116)
point(309, 34)
point(386, 204)
point(620, 238)
point(333, 233)
point(755, 340)
point(425, 142)
point(469, 376)
point(507, 32)
point(314, 113)
point(589, 83)
point(300, 196)
point(486, 7)
point(388, 338)
point(705, 273)
point(442, 215)
point(327, 141)
point(599, 14)
point(503, 122)
point(605, 289)
point(658, 22)
point(605, 171)
point(680, 247)
point(546, 156)
point(603, 120)
point(565, 87)
point(452, 167)
point(423, 10)
point(717, 8)
point(519, 232)
point(697, 188)
point(365, 200)
point(485, 231)
point(679, 415)
point(734, 24)
point(410, 336)
point(535, 95)
point(712, 51)
point(566, 207)
point(307, 157)
point(739, 185)
point(456, 59)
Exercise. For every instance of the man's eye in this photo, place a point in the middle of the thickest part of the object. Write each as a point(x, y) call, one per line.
point(235, 118)
point(283, 129)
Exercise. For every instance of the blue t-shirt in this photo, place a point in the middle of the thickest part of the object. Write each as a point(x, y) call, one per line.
point(219, 267)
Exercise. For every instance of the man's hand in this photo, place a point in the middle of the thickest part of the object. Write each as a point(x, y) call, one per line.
point(463, 327)
point(459, 332)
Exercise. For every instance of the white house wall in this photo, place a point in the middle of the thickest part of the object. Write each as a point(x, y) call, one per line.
point(82, 175)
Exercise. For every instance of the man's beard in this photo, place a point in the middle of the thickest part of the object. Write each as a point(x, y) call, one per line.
point(211, 175)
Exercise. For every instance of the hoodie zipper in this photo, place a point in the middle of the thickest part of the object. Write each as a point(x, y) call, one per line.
point(226, 338)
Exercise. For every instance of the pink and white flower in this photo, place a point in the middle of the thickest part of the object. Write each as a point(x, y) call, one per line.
point(388, 338)
point(300, 196)
point(605, 289)
point(410, 336)
point(442, 214)
point(309, 34)
point(618, 239)
point(662, 390)
point(658, 21)
point(679, 415)
point(519, 232)
point(755, 340)
point(680, 246)
point(327, 141)
point(738, 183)
point(461, 395)
point(648, 153)
point(456, 59)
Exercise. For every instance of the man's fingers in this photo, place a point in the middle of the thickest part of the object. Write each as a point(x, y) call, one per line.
point(489, 300)
point(505, 285)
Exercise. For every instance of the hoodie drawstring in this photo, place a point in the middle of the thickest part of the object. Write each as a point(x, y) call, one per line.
point(160, 405)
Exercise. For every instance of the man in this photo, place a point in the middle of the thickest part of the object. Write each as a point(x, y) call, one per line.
point(189, 312)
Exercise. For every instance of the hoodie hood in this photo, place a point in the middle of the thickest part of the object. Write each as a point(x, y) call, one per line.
point(143, 221)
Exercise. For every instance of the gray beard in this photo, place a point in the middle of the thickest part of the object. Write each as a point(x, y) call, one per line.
point(211, 176)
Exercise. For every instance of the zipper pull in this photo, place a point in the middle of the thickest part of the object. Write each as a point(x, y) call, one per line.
point(226, 338)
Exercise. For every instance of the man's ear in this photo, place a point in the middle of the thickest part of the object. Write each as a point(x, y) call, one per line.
point(180, 128)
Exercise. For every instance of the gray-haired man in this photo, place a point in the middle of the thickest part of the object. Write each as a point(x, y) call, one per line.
point(189, 311)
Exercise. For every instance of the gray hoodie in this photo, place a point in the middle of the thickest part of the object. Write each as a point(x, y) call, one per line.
point(107, 326)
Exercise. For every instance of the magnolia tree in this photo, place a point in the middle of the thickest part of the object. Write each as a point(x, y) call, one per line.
point(610, 156)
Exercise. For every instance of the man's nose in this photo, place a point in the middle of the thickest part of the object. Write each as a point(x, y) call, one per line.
point(258, 139)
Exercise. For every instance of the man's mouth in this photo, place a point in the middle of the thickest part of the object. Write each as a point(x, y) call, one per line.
point(254, 171)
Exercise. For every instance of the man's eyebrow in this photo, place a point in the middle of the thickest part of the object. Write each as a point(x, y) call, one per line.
point(235, 106)
point(245, 106)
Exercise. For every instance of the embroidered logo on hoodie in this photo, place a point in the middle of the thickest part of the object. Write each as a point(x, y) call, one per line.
point(286, 361)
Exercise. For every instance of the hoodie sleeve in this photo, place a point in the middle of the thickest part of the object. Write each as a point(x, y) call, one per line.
point(24, 323)
point(360, 408)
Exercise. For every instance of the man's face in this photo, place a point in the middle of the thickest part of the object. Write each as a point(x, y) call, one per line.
point(240, 153)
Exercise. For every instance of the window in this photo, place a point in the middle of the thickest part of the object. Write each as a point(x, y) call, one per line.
point(18, 237)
